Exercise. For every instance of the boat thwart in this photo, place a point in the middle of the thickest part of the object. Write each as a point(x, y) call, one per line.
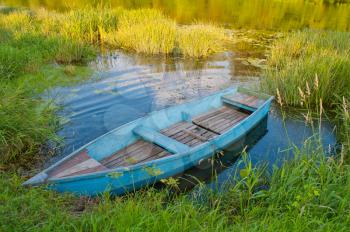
point(157, 146)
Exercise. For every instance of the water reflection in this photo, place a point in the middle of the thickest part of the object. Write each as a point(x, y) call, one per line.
point(254, 14)
point(130, 86)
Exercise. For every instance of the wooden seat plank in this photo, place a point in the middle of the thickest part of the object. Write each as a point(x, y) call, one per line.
point(225, 118)
point(245, 99)
point(188, 133)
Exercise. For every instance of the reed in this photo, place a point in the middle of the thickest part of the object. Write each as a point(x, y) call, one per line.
point(310, 62)
point(311, 70)
point(200, 40)
point(146, 31)
point(12, 61)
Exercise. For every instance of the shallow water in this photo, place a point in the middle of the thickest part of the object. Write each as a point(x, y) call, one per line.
point(130, 86)
point(249, 14)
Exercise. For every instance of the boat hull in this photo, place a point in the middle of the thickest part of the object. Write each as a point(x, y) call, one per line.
point(122, 180)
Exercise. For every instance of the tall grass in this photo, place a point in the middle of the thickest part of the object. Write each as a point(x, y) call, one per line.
point(13, 61)
point(25, 124)
point(146, 31)
point(316, 64)
point(311, 70)
point(200, 40)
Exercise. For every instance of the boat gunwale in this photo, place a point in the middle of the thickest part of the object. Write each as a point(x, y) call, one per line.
point(101, 174)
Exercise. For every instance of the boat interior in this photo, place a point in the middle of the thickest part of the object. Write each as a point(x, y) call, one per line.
point(176, 138)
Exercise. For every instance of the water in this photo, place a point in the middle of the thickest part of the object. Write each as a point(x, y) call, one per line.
point(131, 86)
point(250, 14)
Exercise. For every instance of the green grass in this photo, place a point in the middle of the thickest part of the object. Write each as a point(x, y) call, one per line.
point(28, 121)
point(200, 40)
point(145, 31)
point(311, 70)
point(315, 64)
point(13, 61)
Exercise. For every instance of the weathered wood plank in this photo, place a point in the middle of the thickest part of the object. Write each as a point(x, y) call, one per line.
point(144, 153)
point(88, 170)
point(223, 120)
point(224, 127)
point(137, 145)
point(69, 163)
point(139, 157)
point(134, 156)
point(188, 133)
point(208, 114)
point(246, 99)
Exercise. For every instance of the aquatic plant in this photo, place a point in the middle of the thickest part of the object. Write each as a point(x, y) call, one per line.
point(200, 40)
point(145, 31)
point(311, 70)
point(313, 63)
point(13, 61)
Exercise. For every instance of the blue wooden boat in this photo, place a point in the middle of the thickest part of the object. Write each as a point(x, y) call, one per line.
point(157, 146)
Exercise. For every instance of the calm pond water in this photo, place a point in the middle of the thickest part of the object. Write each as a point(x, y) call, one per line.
point(127, 86)
point(130, 86)
point(251, 14)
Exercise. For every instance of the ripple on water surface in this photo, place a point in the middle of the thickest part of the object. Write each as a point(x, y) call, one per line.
point(130, 86)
